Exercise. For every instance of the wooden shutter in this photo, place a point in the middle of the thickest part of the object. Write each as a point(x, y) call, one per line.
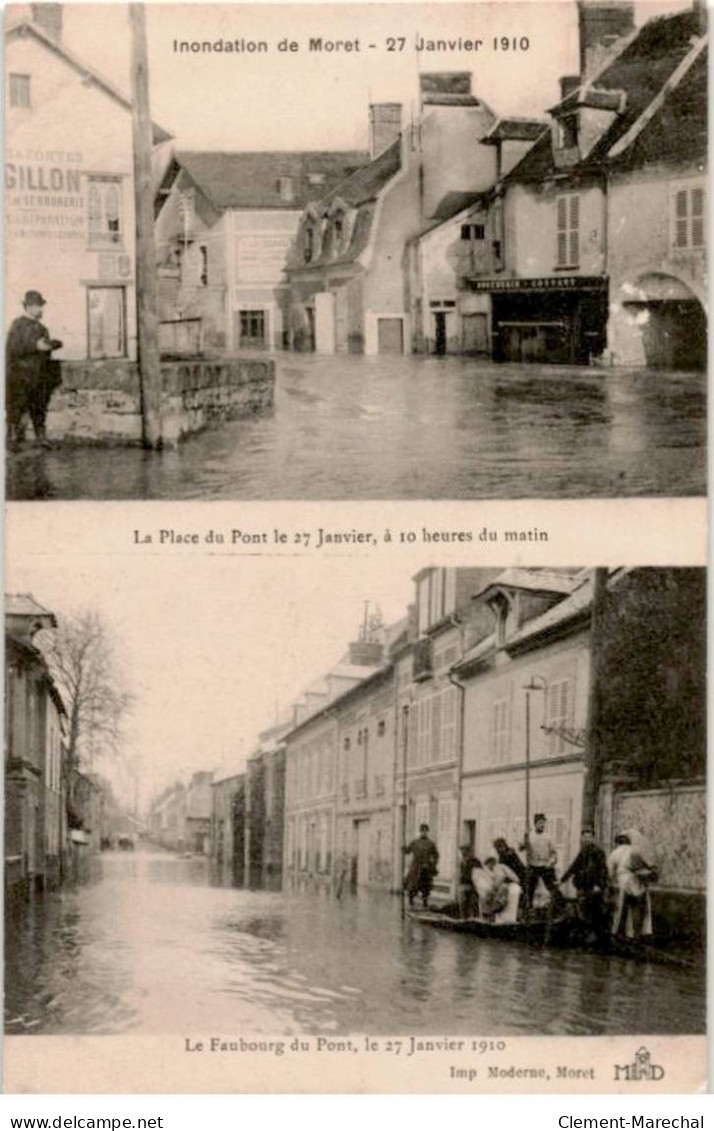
point(562, 207)
point(574, 232)
point(697, 213)
point(681, 218)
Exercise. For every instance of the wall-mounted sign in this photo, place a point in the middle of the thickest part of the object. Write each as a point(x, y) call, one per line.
point(44, 197)
point(543, 283)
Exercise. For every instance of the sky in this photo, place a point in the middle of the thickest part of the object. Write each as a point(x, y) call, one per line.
point(306, 100)
point(209, 648)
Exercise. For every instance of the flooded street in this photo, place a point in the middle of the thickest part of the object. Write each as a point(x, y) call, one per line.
point(152, 946)
point(413, 428)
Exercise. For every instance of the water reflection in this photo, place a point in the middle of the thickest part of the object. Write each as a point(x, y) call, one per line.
point(157, 945)
point(374, 428)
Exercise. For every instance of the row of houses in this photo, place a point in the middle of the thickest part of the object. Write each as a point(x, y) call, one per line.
point(576, 237)
point(180, 817)
point(575, 693)
point(56, 816)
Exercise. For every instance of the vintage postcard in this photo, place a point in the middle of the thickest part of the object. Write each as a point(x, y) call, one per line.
point(320, 819)
point(446, 251)
point(356, 568)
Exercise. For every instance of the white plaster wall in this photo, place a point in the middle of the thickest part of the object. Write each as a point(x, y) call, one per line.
point(72, 124)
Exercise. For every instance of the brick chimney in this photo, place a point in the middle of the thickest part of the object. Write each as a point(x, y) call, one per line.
point(568, 84)
point(385, 125)
point(446, 88)
point(366, 653)
point(49, 18)
point(601, 23)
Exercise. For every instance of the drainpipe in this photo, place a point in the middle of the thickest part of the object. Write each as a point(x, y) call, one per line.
point(594, 753)
point(457, 623)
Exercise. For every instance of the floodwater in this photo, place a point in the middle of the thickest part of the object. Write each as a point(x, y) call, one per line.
point(414, 428)
point(153, 947)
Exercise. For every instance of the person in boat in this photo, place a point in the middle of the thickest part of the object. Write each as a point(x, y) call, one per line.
point(506, 891)
point(631, 870)
point(508, 856)
point(468, 899)
point(485, 887)
point(423, 867)
point(541, 859)
point(589, 874)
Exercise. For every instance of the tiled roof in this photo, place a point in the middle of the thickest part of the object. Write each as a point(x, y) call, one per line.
point(678, 132)
point(25, 605)
point(358, 191)
point(639, 72)
point(455, 202)
point(251, 180)
point(537, 580)
point(515, 129)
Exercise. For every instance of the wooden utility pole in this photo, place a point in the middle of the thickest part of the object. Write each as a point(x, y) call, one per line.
point(594, 753)
point(146, 275)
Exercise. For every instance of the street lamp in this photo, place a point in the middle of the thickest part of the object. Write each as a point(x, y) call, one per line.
point(537, 683)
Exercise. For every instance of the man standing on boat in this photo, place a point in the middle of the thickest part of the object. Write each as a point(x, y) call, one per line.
point(468, 903)
point(541, 858)
point(423, 868)
point(588, 872)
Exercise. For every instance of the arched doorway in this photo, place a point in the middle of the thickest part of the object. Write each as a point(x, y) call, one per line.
point(672, 322)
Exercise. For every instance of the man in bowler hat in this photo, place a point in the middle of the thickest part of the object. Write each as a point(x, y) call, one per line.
point(32, 375)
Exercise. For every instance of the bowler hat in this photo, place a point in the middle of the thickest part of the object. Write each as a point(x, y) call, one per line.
point(538, 817)
point(423, 828)
point(34, 298)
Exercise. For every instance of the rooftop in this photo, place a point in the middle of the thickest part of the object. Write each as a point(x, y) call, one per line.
point(253, 180)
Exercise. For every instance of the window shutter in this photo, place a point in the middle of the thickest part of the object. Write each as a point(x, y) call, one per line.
point(436, 729)
point(562, 213)
point(681, 212)
point(574, 248)
point(697, 201)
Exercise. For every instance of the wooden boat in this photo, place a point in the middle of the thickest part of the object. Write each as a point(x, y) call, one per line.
point(535, 931)
point(563, 931)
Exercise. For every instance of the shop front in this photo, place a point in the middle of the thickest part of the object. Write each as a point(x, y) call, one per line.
point(554, 320)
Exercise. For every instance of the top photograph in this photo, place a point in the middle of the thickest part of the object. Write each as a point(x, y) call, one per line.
point(356, 251)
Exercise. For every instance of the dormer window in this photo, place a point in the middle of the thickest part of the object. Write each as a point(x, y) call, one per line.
point(339, 231)
point(309, 244)
point(568, 131)
point(500, 606)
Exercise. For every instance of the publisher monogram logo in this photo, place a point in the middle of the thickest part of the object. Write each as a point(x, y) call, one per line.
point(641, 1068)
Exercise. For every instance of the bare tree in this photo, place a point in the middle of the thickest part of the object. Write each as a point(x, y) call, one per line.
point(83, 660)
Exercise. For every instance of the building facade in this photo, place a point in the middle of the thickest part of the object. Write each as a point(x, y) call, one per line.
point(35, 768)
point(225, 226)
point(265, 808)
point(350, 281)
point(228, 824)
point(69, 190)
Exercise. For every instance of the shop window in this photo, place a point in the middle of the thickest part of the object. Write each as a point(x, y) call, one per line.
point(688, 218)
point(106, 315)
point(104, 211)
point(20, 91)
point(568, 217)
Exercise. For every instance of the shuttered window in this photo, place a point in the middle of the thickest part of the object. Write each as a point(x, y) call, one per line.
point(568, 213)
point(557, 716)
point(500, 718)
point(688, 218)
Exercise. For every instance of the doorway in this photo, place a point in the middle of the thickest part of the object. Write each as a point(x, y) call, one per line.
point(440, 333)
point(361, 871)
point(390, 335)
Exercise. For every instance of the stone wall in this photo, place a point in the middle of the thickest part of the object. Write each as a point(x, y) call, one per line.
point(99, 401)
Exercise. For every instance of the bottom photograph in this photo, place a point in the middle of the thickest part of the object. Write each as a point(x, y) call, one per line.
point(458, 800)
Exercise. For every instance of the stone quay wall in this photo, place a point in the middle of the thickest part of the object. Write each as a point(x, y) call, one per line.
point(99, 401)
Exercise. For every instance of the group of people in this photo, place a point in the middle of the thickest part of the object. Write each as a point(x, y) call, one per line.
point(32, 373)
point(612, 892)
